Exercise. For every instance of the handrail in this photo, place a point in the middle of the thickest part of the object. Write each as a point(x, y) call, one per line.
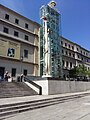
point(34, 84)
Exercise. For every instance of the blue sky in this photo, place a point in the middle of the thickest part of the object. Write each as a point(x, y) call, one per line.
point(75, 16)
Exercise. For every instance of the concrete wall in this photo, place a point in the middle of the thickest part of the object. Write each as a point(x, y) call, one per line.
point(44, 85)
point(59, 86)
point(56, 86)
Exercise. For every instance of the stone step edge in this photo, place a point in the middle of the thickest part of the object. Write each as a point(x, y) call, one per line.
point(39, 106)
point(43, 99)
point(26, 104)
point(7, 113)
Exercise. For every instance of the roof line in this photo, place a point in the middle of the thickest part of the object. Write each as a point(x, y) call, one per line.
point(18, 14)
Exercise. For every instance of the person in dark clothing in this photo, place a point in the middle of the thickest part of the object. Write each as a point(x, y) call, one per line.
point(6, 76)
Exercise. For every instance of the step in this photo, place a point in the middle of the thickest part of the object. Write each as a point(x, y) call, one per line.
point(15, 89)
point(22, 108)
point(9, 109)
point(15, 95)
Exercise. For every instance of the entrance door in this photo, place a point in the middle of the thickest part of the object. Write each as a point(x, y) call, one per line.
point(2, 69)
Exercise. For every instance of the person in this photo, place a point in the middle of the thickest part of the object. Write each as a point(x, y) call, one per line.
point(21, 77)
point(9, 79)
point(6, 76)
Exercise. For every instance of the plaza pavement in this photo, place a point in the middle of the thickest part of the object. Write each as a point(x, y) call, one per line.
point(76, 109)
point(4, 101)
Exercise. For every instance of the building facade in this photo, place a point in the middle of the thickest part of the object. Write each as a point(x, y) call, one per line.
point(73, 55)
point(50, 48)
point(18, 44)
point(21, 52)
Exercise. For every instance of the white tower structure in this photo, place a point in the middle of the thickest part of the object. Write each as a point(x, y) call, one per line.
point(50, 50)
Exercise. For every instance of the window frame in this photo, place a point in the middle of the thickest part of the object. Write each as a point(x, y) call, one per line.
point(17, 21)
point(7, 16)
point(25, 71)
point(26, 37)
point(5, 30)
point(13, 73)
point(25, 53)
point(65, 44)
point(26, 25)
point(16, 33)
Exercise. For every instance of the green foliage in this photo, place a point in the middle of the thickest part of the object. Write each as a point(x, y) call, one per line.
point(80, 71)
point(89, 73)
point(73, 72)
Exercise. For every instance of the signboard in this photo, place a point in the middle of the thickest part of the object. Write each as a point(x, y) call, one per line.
point(13, 50)
point(10, 49)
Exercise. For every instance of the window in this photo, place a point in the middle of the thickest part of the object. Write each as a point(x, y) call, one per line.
point(13, 72)
point(78, 56)
point(69, 54)
point(61, 42)
point(6, 16)
point(63, 63)
point(26, 53)
point(72, 47)
point(16, 33)
point(84, 53)
point(62, 52)
point(66, 44)
point(69, 46)
point(66, 53)
point(73, 55)
point(5, 30)
point(77, 49)
point(26, 37)
point(70, 64)
point(66, 63)
point(26, 25)
point(16, 21)
point(25, 72)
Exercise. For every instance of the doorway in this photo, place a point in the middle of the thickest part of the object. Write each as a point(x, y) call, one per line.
point(2, 70)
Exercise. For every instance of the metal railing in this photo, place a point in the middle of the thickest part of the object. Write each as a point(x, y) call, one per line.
point(34, 84)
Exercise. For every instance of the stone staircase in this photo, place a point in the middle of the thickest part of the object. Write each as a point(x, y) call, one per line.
point(11, 109)
point(15, 89)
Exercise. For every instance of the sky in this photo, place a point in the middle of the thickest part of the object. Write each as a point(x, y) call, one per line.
point(75, 16)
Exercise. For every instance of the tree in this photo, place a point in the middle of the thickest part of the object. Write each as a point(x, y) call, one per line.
point(79, 72)
point(89, 73)
point(73, 72)
point(82, 71)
